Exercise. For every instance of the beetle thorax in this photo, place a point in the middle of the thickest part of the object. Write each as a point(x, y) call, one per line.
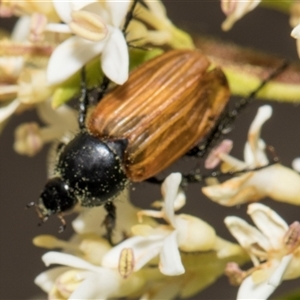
point(92, 169)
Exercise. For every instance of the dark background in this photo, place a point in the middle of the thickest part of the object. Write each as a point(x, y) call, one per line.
point(22, 178)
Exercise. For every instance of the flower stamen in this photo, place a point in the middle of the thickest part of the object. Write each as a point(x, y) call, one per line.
point(88, 25)
point(126, 262)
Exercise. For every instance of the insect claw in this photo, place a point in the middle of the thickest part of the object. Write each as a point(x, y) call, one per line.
point(62, 228)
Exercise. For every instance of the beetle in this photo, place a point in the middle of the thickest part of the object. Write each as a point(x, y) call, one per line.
point(137, 130)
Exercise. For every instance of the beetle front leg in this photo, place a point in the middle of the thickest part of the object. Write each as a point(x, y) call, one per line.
point(110, 220)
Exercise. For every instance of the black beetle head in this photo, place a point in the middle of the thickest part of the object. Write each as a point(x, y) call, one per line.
point(55, 198)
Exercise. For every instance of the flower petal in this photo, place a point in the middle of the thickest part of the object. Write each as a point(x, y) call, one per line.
point(89, 288)
point(21, 29)
point(63, 9)
point(64, 116)
point(276, 277)
point(193, 234)
point(250, 290)
point(234, 191)
point(98, 8)
point(237, 11)
point(169, 190)
point(296, 32)
point(269, 223)
point(115, 58)
point(231, 164)
point(214, 156)
point(170, 259)
point(246, 234)
point(280, 183)
point(296, 164)
point(46, 279)
point(258, 157)
point(53, 257)
point(118, 11)
point(70, 56)
point(8, 110)
point(107, 284)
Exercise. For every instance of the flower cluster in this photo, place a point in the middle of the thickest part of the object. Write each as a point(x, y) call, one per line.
point(274, 248)
point(151, 260)
point(257, 178)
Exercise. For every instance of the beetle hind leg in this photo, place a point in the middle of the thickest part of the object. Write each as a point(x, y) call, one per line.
point(226, 120)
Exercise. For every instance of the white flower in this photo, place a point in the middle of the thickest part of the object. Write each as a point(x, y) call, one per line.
point(30, 89)
point(97, 26)
point(273, 247)
point(154, 27)
point(275, 181)
point(89, 259)
point(201, 270)
point(183, 232)
point(22, 72)
point(79, 279)
point(235, 10)
point(30, 138)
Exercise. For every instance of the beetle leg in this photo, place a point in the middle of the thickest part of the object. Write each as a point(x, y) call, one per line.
point(196, 177)
point(154, 180)
point(63, 225)
point(110, 220)
point(130, 15)
point(226, 120)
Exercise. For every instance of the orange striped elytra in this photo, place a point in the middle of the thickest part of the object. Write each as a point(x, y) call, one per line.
point(167, 105)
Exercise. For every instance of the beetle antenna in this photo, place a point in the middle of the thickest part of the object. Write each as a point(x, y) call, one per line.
point(227, 119)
